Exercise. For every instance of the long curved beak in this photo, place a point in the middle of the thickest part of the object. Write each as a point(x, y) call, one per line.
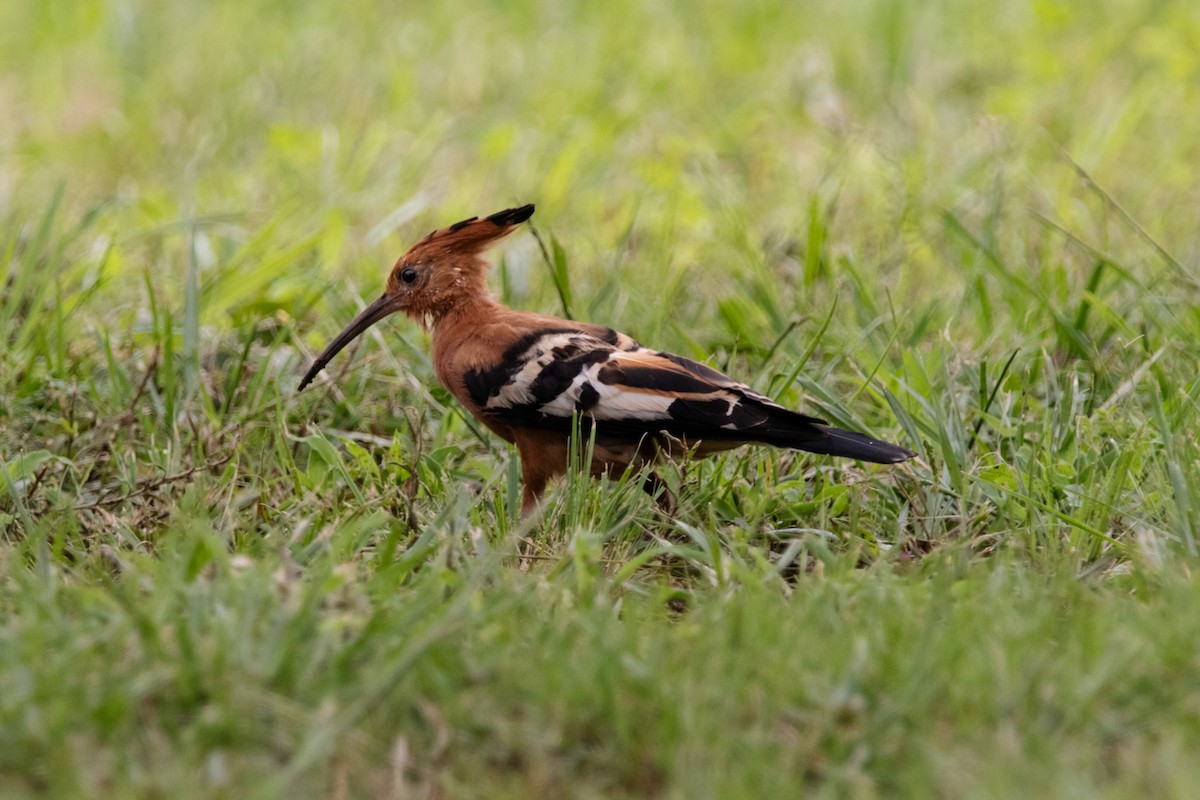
point(381, 308)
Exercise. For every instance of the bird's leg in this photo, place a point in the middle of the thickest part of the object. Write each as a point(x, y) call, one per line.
point(531, 495)
point(657, 488)
point(534, 483)
point(543, 456)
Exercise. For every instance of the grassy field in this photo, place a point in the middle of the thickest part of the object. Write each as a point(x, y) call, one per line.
point(967, 228)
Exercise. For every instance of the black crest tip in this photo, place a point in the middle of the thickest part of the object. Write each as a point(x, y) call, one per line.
point(511, 216)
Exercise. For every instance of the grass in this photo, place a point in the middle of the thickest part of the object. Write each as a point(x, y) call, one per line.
point(969, 231)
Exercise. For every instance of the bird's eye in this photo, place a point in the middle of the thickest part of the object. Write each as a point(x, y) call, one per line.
point(408, 275)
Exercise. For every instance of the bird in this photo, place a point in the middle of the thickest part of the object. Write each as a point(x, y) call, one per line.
point(531, 378)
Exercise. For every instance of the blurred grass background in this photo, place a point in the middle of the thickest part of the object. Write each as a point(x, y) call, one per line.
point(968, 229)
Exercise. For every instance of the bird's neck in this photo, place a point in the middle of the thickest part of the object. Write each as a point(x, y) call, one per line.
point(467, 311)
point(461, 318)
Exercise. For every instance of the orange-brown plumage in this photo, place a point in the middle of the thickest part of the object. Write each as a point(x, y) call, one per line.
point(527, 376)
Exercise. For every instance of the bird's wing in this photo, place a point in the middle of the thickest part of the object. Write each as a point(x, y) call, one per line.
point(545, 379)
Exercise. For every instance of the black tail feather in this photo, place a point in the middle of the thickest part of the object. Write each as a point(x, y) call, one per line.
point(847, 444)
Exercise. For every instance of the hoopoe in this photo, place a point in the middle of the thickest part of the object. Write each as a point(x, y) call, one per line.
point(527, 376)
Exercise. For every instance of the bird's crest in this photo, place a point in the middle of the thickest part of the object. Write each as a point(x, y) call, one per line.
point(470, 236)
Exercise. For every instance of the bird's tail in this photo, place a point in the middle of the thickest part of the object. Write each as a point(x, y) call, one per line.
point(847, 444)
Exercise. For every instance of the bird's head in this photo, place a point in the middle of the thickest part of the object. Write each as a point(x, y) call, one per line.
point(437, 274)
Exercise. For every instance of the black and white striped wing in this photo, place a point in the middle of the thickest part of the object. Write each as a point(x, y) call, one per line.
point(625, 388)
